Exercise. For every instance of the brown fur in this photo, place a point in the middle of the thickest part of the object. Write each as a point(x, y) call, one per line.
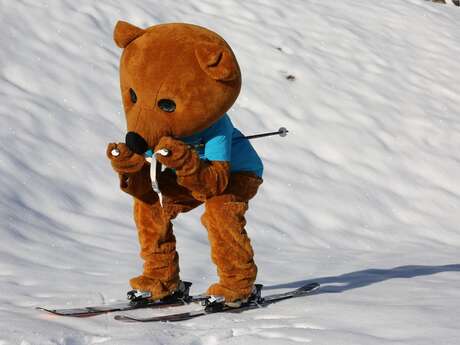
point(197, 69)
point(231, 249)
point(184, 62)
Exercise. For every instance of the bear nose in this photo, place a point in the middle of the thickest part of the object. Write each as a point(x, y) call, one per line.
point(136, 143)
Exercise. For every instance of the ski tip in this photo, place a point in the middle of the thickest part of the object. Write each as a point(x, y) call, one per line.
point(124, 318)
point(52, 311)
point(70, 312)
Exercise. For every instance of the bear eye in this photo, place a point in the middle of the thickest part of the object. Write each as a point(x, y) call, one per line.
point(167, 105)
point(133, 96)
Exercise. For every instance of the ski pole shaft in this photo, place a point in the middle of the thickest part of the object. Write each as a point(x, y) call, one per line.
point(282, 132)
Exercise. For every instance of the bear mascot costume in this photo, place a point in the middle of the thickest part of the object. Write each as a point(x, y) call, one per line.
point(177, 83)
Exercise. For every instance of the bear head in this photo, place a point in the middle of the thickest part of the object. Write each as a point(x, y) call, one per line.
point(176, 80)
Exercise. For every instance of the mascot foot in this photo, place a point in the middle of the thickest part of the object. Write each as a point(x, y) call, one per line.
point(158, 290)
point(233, 298)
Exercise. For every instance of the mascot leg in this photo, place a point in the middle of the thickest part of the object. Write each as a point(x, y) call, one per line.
point(158, 249)
point(157, 241)
point(231, 248)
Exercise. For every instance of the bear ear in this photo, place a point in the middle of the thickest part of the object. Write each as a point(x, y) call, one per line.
point(124, 33)
point(217, 61)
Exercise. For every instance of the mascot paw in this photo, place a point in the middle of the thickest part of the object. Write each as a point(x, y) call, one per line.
point(157, 288)
point(124, 161)
point(179, 152)
point(231, 295)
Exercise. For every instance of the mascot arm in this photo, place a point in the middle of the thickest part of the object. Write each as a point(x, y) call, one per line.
point(133, 172)
point(139, 185)
point(203, 178)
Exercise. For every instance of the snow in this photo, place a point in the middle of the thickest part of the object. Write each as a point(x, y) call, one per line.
point(362, 195)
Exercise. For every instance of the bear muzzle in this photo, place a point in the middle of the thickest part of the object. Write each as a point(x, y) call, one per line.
point(136, 143)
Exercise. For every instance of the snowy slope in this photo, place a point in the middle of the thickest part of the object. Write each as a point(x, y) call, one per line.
point(362, 196)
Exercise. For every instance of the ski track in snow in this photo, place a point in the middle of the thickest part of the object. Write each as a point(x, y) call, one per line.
point(363, 195)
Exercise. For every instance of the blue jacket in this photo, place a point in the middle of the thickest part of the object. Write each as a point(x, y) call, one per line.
point(223, 142)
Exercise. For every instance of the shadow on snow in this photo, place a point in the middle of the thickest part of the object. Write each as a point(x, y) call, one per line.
point(368, 277)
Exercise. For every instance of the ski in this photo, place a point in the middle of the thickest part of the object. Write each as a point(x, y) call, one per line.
point(128, 305)
point(219, 307)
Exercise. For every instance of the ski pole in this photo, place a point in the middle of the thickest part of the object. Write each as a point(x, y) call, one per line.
point(282, 132)
point(156, 167)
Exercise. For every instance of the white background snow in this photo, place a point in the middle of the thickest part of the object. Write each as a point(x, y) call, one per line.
point(363, 195)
